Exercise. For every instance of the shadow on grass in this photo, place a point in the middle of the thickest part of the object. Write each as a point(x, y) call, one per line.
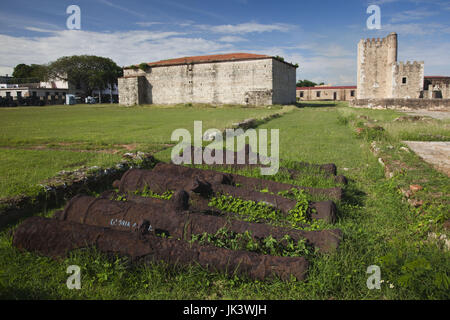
point(322, 104)
point(11, 293)
point(352, 195)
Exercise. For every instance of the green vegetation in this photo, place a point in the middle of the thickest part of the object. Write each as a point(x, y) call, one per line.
point(286, 247)
point(252, 211)
point(307, 83)
point(144, 66)
point(112, 127)
point(22, 170)
point(425, 129)
point(380, 227)
point(36, 143)
point(86, 72)
point(24, 73)
point(167, 195)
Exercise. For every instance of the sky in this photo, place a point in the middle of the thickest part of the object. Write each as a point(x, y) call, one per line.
point(321, 36)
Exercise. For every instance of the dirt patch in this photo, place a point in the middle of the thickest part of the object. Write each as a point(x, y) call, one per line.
point(435, 153)
point(440, 115)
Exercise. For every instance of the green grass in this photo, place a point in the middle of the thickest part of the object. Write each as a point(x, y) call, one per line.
point(22, 170)
point(106, 125)
point(379, 228)
point(57, 130)
point(422, 130)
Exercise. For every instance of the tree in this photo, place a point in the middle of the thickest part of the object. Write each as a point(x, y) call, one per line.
point(29, 73)
point(21, 71)
point(306, 83)
point(86, 72)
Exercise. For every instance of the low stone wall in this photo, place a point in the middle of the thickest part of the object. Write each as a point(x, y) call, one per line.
point(403, 104)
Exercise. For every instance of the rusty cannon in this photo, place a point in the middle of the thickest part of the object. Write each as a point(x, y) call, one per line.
point(168, 177)
point(55, 238)
point(170, 217)
point(246, 182)
point(247, 158)
point(139, 180)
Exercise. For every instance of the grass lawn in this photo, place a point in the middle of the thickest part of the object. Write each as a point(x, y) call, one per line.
point(103, 126)
point(37, 142)
point(379, 227)
point(22, 170)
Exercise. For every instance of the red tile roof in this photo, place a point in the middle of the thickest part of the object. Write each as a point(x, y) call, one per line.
point(209, 58)
point(325, 88)
point(436, 77)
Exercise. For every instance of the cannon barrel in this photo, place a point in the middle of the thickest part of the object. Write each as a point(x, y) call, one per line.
point(247, 155)
point(55, 238)
point(172, 177)
point(164, 218)
point(247, 182)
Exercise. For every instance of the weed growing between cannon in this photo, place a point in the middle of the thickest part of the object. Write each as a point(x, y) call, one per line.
point(251, 211)
point(286, 247)
point(147, 193)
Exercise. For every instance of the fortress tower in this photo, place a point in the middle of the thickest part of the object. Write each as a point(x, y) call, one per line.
point(380, 76)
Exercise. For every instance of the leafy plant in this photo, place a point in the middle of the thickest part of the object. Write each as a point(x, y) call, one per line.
point(144, 66)
point(119, 197)
point(224, 238)
point(146, 192)
point(250, 210)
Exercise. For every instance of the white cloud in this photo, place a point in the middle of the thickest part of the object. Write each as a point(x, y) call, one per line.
point(331, 70)
point(124, 48)
point(248, 27)
point(147, 23)
point(232, 39)
point(319, 66)
point(34, 29)
point(416, 29)
point(121, 8)
point(434, 55)
point(410, 15)
point(6, 70)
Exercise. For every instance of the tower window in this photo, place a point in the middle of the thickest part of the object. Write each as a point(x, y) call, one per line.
point(352, 93)
point(301, 94)
point(404, 80)
point(318, 94)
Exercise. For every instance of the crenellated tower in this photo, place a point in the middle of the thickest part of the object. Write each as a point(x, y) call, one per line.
point(380, 76)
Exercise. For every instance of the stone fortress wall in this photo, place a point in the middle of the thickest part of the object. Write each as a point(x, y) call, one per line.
point(260, 81)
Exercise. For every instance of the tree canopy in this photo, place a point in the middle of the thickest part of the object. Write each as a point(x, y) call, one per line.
point(85, 72)
point(33, 72)
point(307, 83)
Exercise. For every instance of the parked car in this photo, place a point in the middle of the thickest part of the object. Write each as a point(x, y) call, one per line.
point(90, 100)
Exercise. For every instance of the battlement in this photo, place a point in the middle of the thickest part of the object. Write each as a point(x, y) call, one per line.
point(374, 42)
point(410, 66)
point(380, 42)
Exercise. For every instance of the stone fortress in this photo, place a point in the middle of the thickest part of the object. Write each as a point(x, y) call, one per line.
point(237, 78)
point(384, 82)
point(381, 76)
point(252, 79)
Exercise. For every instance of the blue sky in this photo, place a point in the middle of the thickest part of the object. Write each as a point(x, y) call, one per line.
point(321, 36)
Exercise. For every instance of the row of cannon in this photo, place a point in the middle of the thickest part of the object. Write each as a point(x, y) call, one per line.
point(131, 228)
